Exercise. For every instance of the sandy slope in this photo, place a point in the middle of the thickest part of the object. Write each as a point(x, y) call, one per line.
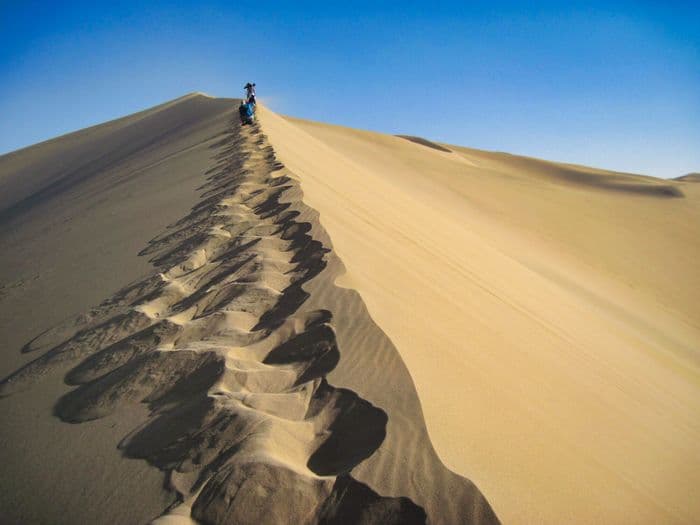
point(169, 307)
point(74, 213)
point(263, 392)
point(547, 313)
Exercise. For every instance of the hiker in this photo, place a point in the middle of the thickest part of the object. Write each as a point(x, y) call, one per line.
point(250, 92)
point(246, 112)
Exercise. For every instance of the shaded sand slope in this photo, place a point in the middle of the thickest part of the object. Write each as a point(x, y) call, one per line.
point(75, 211)
point(219, 366)
point(548, 314)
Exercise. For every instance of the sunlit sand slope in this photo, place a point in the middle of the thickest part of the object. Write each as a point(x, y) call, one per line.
point(547, 313)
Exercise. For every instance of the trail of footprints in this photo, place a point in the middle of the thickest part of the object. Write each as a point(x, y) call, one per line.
point(243, 420)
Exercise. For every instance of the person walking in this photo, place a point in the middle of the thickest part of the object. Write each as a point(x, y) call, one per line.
point(250, 92)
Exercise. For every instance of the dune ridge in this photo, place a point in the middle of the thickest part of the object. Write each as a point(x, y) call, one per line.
point(689, 177)
point(243, 418)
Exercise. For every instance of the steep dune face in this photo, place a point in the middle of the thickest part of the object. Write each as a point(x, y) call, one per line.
point(546, 312)
point(76, 211)
point(265, 393)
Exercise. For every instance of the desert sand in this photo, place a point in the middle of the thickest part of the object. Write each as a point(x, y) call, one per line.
point(210, 352)
point(548, 314)
point(299, 322)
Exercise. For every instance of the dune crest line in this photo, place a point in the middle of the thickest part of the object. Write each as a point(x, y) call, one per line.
point(242, 418)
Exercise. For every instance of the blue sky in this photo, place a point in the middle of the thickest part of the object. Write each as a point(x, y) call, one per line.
point(608, 84)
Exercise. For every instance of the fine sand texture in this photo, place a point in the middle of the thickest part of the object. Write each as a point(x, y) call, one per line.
point(74, 213)
point(176, 346)
point(548, 315)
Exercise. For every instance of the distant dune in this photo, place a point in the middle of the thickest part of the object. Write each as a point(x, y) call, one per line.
point(277, 323)
point(425, 142)
point(690, 177)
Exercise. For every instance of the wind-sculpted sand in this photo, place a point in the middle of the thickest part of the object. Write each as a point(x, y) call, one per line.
point(548, 314)
point(334, 304)
point(232, 345)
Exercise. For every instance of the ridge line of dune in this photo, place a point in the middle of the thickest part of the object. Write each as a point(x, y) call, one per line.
point(124, 119)
point(234, 376)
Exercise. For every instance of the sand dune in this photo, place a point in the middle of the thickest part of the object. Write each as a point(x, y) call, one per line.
point(269, 316)
point(60, 256)
point(231, 344)
point(548, 314)
point(690, 177)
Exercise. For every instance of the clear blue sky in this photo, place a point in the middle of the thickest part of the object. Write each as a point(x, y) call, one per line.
point(608, 84)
